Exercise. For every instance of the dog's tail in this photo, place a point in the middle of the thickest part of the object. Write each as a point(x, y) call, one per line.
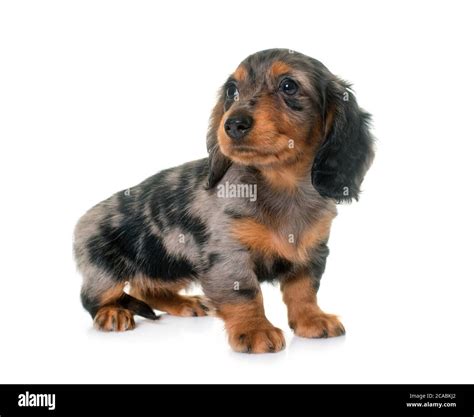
point(137, 306)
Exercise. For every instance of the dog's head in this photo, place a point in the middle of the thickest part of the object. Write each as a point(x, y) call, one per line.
point(280, 109)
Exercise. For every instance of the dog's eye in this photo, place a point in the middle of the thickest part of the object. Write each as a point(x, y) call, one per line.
point(288, 86)
point(232, 92)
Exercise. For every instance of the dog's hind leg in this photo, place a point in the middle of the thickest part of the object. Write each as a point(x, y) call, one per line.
point(112, 309)
point(165, 297)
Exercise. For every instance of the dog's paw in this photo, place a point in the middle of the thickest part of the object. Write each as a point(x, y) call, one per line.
point(110, 319)
point(190, 306)
point(262, 339)
point(317, 325)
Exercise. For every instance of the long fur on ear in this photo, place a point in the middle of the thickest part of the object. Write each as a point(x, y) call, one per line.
point(218, 162)
point(347, 151)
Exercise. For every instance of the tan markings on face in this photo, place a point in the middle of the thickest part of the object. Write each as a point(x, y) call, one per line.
point(279, 144)
point(279, 68)
point(288, 176)
point(269, 241)
point(240, 73)
point(269, 141)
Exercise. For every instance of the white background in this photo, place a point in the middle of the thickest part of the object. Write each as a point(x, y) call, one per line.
point(97, 95)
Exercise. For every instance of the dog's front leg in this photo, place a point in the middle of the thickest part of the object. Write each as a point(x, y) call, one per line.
point(235, 292)
point(248, 328)
point(305, 317)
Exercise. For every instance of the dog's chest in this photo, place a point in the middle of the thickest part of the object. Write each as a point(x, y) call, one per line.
point(284, 234)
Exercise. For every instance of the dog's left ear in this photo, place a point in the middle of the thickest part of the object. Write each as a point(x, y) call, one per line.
point(218, 162)
point(346, 152)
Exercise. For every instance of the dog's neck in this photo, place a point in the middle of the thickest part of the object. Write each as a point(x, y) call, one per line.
point(287, 177)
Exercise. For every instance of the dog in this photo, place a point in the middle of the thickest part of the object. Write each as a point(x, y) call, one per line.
point(285, 127)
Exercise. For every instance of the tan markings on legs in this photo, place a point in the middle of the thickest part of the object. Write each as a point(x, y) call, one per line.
point(178, 305)
point(164, 297)
point(111, 317)
point(304, 315)
point(111, 295)
point(248, 328)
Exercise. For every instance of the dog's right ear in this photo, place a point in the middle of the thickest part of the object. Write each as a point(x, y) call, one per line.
point(218, 162)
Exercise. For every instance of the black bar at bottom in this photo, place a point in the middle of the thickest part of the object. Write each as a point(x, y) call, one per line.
point(236, 400)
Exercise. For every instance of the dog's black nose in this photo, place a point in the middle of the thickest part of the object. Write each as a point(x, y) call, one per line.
point(238, 126)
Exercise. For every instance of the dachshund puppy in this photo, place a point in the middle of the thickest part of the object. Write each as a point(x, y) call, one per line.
point(286, 142)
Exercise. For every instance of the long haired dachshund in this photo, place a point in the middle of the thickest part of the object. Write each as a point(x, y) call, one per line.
point(287, 142)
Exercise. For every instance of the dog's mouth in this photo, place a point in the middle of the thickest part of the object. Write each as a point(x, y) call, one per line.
point(245, 149)
point(259, 146)
point(271, 149)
